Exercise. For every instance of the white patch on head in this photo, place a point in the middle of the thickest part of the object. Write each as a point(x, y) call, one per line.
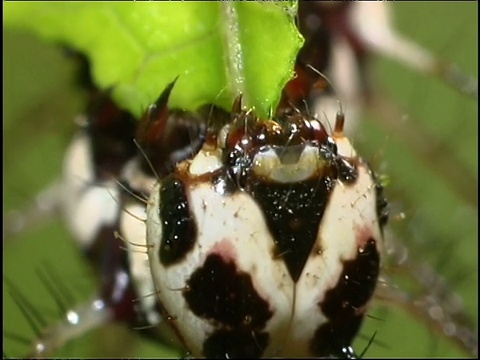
point(224, 222)
point(206, 161)
point(349, 208)
point(96, 207)
point(78, 169)
point(233, 226)
point(344, 147)
point(372, 22)
point(87, 206)
point(268, 164)
point(134, 231)
point(343, 72)
point(136, 177)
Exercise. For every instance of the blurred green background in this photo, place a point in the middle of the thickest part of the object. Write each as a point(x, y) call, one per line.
point(441, 224)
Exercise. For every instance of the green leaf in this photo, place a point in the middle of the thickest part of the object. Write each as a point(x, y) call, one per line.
point(218, 49)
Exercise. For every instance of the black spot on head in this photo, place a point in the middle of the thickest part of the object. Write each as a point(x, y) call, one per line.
point(356, 284)
point(327, 344)
point(347, 171)
point(179, 230)
point(343, 305)
point(219, 292)
point(382, 204)
point(226, 297)
point(293, 213)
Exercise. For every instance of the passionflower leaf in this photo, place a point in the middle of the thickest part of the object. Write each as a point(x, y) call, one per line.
point(216, 49)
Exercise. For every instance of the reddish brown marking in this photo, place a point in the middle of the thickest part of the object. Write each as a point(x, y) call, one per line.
point(152, 126)
point(363, 234)
point(151, 131)
point(225, 250)
point(298, 88)
point(339, 124)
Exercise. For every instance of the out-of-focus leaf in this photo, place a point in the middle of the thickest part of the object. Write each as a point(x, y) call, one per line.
point(218, 49)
